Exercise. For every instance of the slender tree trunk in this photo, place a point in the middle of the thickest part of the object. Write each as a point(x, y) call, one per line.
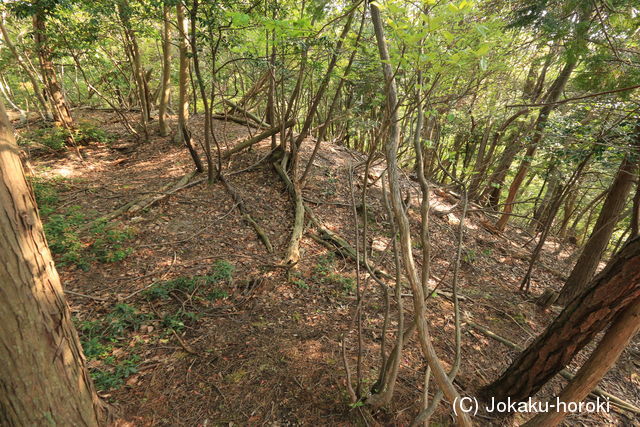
point(491, 193)
point(166, 72)
point(43, 376)
point(183, 75)
point(635, 213)
point(211, 170)
point(554, 94)
point(183, 135)
point(483, 164)
point(612, 208)
point(131, 45)
point(61, 112)
point(391, 151)
point(30, 75)
point(609, 294)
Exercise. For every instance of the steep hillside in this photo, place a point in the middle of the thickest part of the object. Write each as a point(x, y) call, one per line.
point(188, 319)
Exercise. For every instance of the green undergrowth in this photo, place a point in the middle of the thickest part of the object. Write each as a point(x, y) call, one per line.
point(205, 287)
point(58, 138)
point(112, 342)
point(107, 344)
point(104, 242)
point(325, 272)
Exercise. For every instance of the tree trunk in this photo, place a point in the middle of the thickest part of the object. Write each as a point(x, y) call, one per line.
point(491, 194)
point(623, 329)
point(481, 168)
point(182, 133)
point(391, 152)
point(131, 46)
point(609, 294)
point(554, 94)
point(43, 377)
point(30, 75)
point(211, 170)
point(166, 73)
point(612, 208)
point(635, 213)
point(183, 80)
point(61, 112)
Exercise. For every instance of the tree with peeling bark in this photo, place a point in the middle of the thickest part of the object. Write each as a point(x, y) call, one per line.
point(43, 373)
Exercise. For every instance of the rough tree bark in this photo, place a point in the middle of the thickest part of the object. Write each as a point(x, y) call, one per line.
point(608, 295)
point(623, 329)
point(610, 213)
point(43, 377)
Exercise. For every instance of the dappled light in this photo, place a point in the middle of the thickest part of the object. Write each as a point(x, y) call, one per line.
point(325, 213)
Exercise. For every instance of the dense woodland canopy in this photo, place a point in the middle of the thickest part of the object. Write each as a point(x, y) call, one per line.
point(329, 127)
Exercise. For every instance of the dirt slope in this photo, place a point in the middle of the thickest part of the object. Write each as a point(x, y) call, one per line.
point(266, 349)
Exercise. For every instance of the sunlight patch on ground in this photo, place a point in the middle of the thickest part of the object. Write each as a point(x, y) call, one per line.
point(65, 172)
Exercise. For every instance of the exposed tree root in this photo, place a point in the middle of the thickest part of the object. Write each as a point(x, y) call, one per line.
point(293, 251)
point(597, 392)
point(246, 215)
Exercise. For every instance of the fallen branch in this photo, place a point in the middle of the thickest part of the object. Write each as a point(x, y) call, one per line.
point(597, 392)
point(259, 137)
point(245, 112)
point(186, 347)
point(146, 201)
point(67, 291)
point(235, 119)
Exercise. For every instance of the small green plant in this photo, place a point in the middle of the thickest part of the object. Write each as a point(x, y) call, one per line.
point(162, 290)
point(221, 271)
point(469, 256)
point(109, 245)
point(102, 336)
point(216, 294)
point(46, 195)
point(63, 239)
point(324, 272)
point(347, 283)
point(178, 320)
point(298, 279)
point(113, 376)
point(57, 137)
point(60, 227)
point(123, 318)
point(324, 265)
point(87, 133)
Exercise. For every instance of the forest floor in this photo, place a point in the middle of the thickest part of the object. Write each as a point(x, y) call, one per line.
point(186, 319)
